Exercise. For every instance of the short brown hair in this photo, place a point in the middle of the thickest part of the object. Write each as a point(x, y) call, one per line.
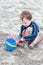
point(26, 14)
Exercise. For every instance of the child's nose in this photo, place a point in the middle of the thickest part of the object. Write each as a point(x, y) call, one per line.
point(24, 22)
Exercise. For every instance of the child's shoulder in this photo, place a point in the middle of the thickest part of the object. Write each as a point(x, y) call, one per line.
point(34, 23)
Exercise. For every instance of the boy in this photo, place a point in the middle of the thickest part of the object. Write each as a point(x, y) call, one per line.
point(29, 30)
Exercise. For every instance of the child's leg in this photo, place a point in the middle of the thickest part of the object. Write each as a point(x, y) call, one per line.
point(38, 39)
point(28, 31)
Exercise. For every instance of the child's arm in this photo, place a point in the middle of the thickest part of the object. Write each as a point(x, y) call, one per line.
point(32, 36)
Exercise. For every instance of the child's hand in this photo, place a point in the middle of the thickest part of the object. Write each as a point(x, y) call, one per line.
point(20, 41)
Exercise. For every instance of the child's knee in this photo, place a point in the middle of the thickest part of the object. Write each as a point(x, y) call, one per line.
point(29, 31)
point(40, 34)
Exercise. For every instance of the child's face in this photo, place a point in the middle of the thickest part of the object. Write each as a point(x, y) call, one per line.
point(26, 22)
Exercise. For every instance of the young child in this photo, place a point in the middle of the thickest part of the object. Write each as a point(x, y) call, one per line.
point(29, 30)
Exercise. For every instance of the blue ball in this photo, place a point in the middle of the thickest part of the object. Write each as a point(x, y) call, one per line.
point(10, 44)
